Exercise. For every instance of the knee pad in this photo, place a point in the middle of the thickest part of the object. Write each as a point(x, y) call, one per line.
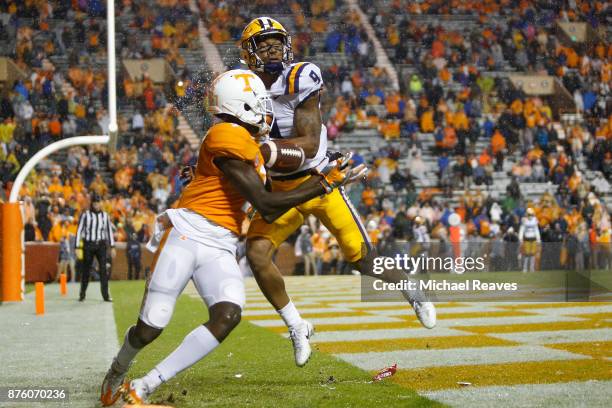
point(158, 310)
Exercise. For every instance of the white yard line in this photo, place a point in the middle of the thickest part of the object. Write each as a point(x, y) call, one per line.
point(456, 356)
point(570, 394)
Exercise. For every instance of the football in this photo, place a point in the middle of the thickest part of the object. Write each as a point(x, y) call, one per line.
point(282, 156)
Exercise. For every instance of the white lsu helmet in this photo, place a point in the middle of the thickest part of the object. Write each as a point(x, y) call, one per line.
point(241, 94)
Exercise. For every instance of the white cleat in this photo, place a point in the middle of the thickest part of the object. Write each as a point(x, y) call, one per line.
point(112, 385)
point(300, 337)
point(426, 313)
point(136, 392)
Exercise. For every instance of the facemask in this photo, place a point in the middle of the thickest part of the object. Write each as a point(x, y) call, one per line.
point(274, 68)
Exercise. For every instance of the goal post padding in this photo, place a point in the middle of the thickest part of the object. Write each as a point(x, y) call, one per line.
point(11, 257)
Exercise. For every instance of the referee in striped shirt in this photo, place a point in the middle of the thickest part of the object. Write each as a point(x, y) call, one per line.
point(94, 234)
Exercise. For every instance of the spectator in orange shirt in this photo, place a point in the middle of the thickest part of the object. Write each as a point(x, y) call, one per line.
point(517, 107)
point(572, 58)
point(318, 25)
point(427, 121)
point(574, 181)
point(390, 129)
point(485, 158)
point(67, 191)
point(450, 138)
point(437, 49)
point(498, 145)
point(461, 121)
point(218, 35)
point(392, 104)
point(55, 127)
point(93, 42)
point(59, 231)
point(368, 198)
point(55, 186)
point(445, 75)
point(98, 186)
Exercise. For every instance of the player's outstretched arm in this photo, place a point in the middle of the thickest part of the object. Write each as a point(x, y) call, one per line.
point(270, 205)
point(307, 126)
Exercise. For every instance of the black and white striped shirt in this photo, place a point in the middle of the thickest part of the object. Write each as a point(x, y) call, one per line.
point(95, 227)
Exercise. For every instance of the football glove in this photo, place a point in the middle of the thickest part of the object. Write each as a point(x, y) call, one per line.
point(342, 174)
point(334, 155)
point(331, 160)
point(187, 174)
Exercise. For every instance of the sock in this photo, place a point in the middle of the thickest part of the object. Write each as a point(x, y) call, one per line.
point(194, 347)
point(290, 315)
point(126, 353)
point(153, 379)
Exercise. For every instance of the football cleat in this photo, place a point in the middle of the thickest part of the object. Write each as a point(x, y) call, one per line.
point(300, 337)
point(426, 313)
point(135, 392)
point(112, 385)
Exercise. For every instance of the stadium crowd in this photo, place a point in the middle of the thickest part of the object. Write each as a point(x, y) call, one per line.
point(50, 103)
point(446, 94)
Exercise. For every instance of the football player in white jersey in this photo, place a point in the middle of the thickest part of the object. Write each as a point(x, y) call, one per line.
point(295, 91)
point(529, 237)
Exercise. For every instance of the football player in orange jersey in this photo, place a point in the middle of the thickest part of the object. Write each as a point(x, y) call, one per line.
point(197, 240)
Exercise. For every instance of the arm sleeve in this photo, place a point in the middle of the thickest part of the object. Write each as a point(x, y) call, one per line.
point(111, 238)
point(80, 230)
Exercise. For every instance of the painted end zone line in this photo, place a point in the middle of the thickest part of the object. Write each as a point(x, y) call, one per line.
point(457, 356)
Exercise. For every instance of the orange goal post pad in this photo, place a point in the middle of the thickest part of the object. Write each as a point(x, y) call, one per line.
point(12, 271)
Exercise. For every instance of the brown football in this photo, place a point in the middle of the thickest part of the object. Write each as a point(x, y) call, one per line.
point(282, 156)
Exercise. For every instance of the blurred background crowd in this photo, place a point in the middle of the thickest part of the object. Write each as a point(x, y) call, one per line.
point(454, 135)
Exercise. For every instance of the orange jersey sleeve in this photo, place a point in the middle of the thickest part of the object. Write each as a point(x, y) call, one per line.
point(209, 193)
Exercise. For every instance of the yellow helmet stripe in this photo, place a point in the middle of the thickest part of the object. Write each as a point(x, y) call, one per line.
point(293, 73)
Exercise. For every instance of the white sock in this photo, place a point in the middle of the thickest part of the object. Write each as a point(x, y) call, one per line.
point(290, 315)
point(195, 346)
point(153, 379)
point(126, 353)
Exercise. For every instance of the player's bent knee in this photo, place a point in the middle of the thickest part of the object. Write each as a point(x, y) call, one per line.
point(229, 317)
point(142, 334)
point(157, 310)
point(259, 253)
point(224, 317)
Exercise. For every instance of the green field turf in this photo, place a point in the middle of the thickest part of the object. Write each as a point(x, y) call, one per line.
point(264, 360)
